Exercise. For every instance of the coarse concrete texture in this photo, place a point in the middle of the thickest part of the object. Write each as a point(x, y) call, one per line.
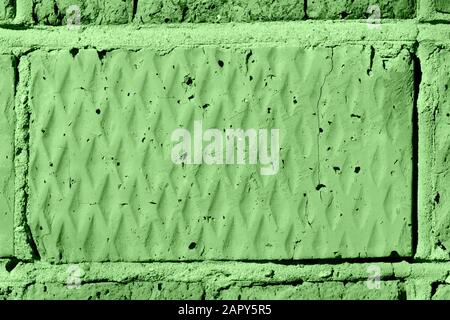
point(169, 11)
point(66, 12)
point(223, 280)
point(434, 10)
point(164, 39)
point(7, 10)
point(57, 12)
point(434, 121)
point(7, 129)
point(63, 12)
point(344, 9)
point(442, 6)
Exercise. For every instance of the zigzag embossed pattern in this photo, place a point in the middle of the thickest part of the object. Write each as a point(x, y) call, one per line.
point(103, 186)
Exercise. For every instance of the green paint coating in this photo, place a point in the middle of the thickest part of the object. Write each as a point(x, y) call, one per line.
point(224, 280)
point(433, 10)
point(163, 39)
point(342, 189)
point(434, 117)
point(442, 292)
point(7, 126)
point(131, 291)
point(314, 291)
point(387, 51)
point(7, 9)
point(163, 11)
point(55, 12)
point(343, 9)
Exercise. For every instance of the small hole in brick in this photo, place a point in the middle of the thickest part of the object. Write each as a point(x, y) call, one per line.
point(192, 245)
point(11, 264)
point(74, 52)
point(437, 198)
point(343, 15)
point(220, 62)
point(320, 186)
point(357, 169)
point(98, 111)
point(188, 81)
point(101, 54)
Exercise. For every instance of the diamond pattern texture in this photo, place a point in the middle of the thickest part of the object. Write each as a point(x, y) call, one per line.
point(103, 186)
point(7, 126)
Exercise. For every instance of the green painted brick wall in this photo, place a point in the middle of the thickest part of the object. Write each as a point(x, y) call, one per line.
point(158, 11)
point(92, 206)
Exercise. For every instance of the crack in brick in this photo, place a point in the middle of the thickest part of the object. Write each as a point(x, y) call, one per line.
point(319, 184)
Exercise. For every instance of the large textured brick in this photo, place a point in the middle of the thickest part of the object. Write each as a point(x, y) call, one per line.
point(157, 11)
point(7, 127)
point(389, 290)
point(57, 12)
point(343, 9)
point(103, 186)
point(434, 147)
point(137, 290)
point(115, 291)
point(221, 280)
